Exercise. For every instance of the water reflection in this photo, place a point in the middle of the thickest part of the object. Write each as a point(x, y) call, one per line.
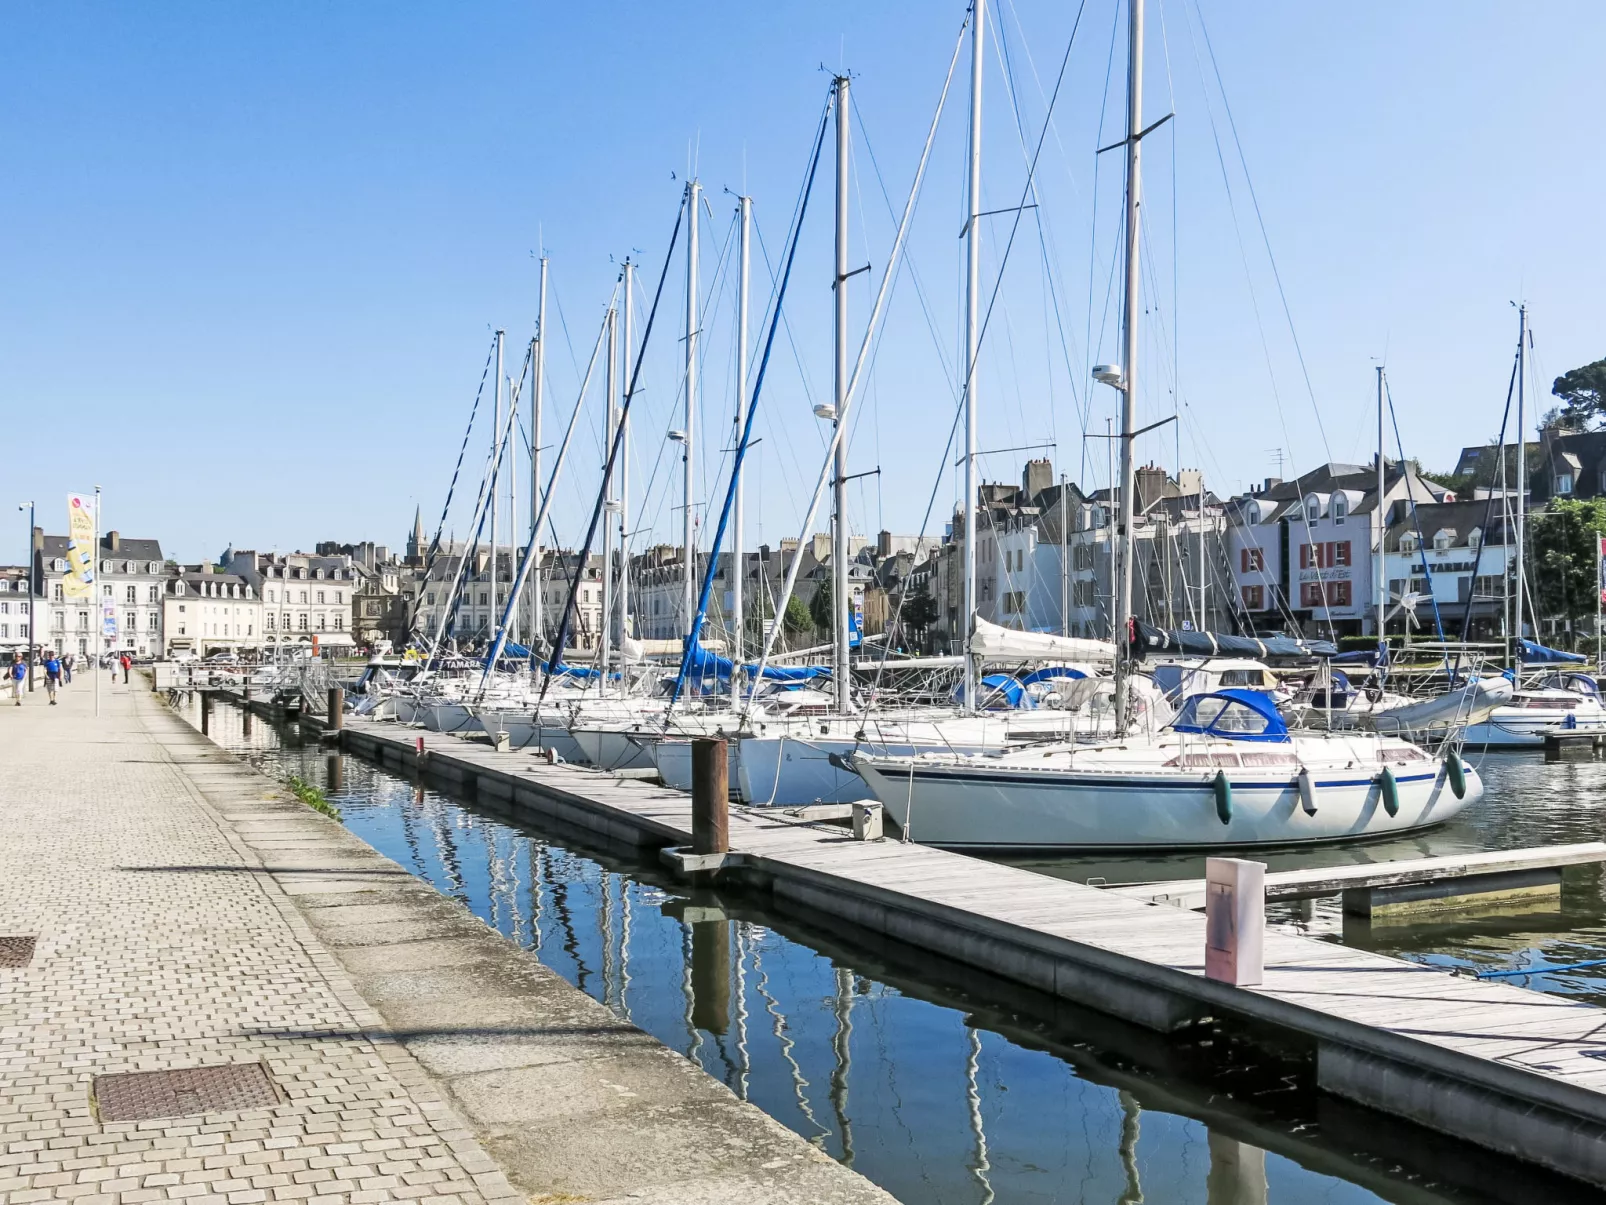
point(938, 1082)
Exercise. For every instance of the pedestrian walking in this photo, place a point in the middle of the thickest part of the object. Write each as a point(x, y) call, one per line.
point(66, 669)
point(125, 661)
point(17, 672)
point(52, 676)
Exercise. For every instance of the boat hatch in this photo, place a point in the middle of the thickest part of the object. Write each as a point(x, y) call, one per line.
point(1239, 715)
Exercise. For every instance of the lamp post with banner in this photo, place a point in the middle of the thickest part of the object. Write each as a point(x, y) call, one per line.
point(33, 618)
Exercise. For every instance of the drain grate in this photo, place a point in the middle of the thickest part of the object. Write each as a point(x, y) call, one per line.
point(15, 951)
point(144, 1095)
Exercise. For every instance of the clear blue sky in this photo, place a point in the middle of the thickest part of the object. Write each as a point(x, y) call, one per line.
point(250, 255)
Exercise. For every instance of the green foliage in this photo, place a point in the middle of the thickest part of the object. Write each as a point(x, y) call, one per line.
point(313, 797)
point(797, 616)
point(1562, 564)
point(820, 610)
point(920, 611)
point(1583, 392)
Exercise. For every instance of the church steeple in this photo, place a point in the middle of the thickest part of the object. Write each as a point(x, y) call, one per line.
point(415, 543)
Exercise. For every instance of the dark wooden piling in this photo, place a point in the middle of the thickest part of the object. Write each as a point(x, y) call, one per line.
point(710, 797)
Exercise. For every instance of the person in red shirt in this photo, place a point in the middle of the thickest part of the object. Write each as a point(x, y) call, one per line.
point(125, 661)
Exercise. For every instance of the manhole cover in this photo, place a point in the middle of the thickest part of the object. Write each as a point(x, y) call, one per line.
point(16, 951)
point(143, 1095)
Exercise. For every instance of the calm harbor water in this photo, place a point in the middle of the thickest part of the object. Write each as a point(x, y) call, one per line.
point(934, 1081)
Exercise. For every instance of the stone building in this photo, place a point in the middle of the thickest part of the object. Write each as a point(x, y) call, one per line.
point(205, 612)
point(305, 597)
point(125, 612)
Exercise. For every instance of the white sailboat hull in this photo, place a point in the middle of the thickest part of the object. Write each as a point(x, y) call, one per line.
point(447, 717)
point(977, 807)
point(613, 749)
point(672, 756)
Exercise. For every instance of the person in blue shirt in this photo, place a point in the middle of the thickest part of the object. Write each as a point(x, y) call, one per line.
point(52, 676)
point(17, 672)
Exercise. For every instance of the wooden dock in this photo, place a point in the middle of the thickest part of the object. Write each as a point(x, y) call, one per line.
point(1417, 884)
point(1509, 1069)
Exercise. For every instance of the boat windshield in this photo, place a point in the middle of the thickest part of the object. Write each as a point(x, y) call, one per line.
point(1235, 715)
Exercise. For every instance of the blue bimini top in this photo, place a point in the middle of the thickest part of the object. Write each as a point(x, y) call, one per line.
point(1237, 715)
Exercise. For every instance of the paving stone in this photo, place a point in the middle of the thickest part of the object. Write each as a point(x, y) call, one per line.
point(161, 945)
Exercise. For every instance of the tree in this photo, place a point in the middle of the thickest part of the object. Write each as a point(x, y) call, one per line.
point(797, 616)
point(919, 611)
point(820, 609)
point(1562, 561)
point(1583, 392)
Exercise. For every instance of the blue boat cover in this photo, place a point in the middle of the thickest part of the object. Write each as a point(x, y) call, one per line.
point(1538, 654)
point(999, 688)
point(1221, 713)
point(704, 665)
point(1147, 639)
point(1051, 671)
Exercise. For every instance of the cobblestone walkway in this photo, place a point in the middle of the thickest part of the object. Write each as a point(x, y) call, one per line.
point(161, 945)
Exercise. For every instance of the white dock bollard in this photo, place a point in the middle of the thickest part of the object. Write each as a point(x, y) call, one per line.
point(1235, 921)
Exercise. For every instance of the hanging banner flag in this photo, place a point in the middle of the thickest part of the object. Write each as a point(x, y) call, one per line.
point(1600, 566)
point(80, 579)
point(108, 620)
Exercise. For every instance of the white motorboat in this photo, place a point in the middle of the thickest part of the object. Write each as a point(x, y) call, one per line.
point(1564, 702)
point(1226, 773)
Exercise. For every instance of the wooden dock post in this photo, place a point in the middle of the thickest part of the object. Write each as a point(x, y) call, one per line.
point(334, 716)
point(206, 714)
point(710, 797)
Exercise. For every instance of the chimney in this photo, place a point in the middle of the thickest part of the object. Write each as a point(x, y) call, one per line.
point(1037, 476)
point(114, 542)
point(1271, 483)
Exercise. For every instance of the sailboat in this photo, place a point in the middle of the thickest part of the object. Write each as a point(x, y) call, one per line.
point(789, 749)
point(1226, 772)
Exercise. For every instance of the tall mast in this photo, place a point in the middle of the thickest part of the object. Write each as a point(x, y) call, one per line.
point(1380, 587)
point(537, 383)
point(623, 602)
point(1065, 559)
point(1522, 471)
point(972, 341)
point(744, 209)
point(512, 495)
point(605, 620)
point(694, 194)
point(841, 670)
point(496, 448)
point(1129, 369)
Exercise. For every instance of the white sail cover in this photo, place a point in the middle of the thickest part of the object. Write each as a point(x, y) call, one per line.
point(1005, 644)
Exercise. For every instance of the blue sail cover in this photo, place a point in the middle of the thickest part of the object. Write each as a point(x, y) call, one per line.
point(1148, 639)
point(1538, 654)
point(510, 649)
point(704, 666)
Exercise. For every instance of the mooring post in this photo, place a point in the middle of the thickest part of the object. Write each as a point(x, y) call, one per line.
point(206, 714)
point(1235, 921)
point(710, 797)
point(337, 708)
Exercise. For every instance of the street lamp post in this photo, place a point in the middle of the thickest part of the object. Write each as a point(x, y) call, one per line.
point(33, 617)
